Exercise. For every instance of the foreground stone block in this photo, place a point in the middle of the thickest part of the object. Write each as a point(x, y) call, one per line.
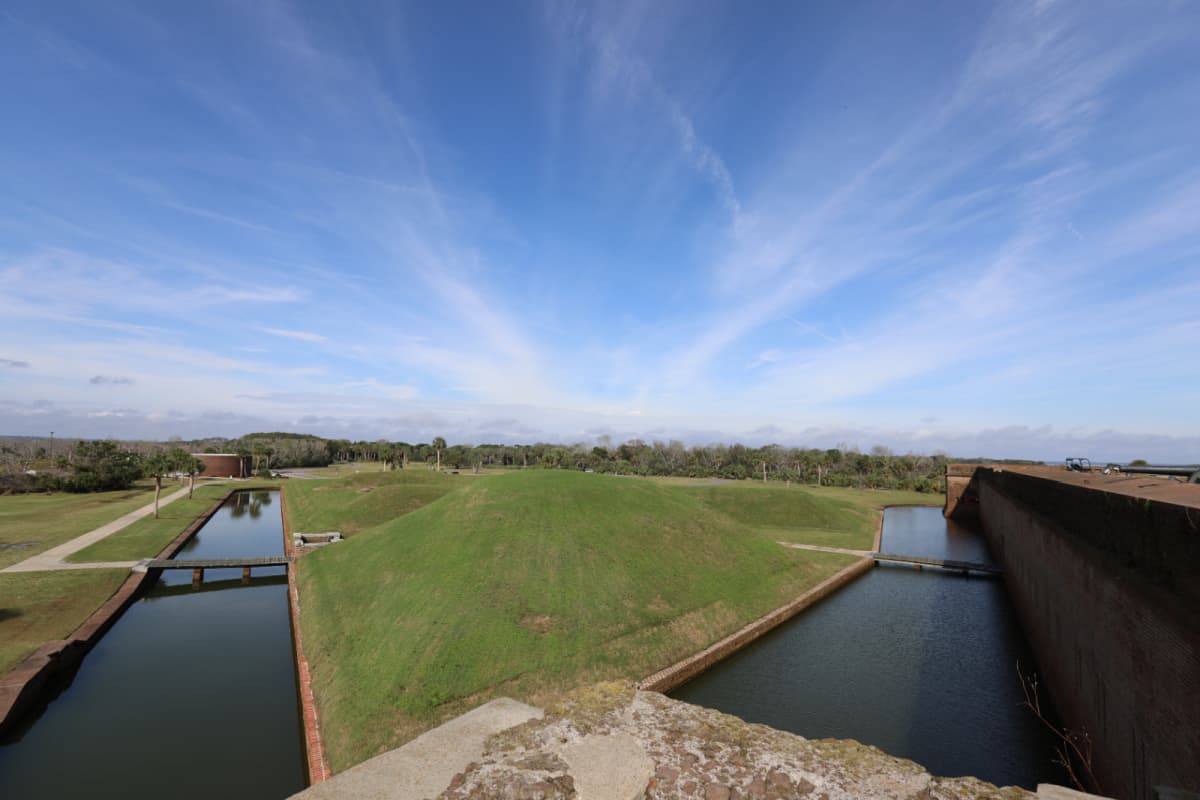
point(425, 766)
point(612, 742)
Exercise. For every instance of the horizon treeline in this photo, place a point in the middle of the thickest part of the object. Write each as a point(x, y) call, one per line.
point(879, 468)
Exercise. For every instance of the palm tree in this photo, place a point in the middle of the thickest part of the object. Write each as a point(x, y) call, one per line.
point(439, 444)
point(260, 451)
point(192, 466)
point(157, 466)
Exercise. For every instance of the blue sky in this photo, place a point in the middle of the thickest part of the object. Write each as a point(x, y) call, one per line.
point(933, 226)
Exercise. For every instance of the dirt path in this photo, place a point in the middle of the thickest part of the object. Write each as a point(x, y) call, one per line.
point(825, 549)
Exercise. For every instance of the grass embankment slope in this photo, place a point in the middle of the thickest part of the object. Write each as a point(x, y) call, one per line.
point(833, 517)
point(362, 500)
point(526, 584)
point(31, 523)
point(37, 607)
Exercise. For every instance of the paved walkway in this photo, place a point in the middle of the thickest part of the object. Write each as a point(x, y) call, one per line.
point(55, 557)
point(825, 549)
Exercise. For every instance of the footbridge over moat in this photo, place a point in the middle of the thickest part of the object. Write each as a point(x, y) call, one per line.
point(941, 563)
point(199, 565)
point(1104, 571)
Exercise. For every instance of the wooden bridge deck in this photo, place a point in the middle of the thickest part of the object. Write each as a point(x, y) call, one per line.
point(214, 563)
point(943, 563)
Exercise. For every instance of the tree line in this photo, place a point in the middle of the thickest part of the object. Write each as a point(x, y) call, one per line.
point(105, 465)
point(840, 466)
point(75, 464)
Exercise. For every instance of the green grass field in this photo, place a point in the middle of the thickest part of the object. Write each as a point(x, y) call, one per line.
point(362, 500)
point(524, 584)
point(31, 523)
point(148, 536)
point(341, 470)
point(37, 607)
point(828, 516)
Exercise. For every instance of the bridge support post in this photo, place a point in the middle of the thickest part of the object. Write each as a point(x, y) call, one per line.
point(245, 574)
point(197, 576)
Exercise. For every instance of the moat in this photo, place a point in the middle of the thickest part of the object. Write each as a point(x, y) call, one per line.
point(191, 694)
point(920, 663)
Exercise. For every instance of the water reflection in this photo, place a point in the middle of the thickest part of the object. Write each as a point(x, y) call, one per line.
point(919, 663)
point(192, 694)
point(251, 503)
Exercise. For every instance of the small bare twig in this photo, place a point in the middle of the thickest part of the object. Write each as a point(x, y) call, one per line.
point(1074, 747)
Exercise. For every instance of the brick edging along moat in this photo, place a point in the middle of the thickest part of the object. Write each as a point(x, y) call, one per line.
point(314, 745)
point(32, 682)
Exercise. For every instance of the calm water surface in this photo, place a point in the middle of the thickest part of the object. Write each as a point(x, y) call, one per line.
point(919, 663)
point(191, 694)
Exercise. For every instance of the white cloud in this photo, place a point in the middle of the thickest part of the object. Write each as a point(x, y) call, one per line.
point(303, 336)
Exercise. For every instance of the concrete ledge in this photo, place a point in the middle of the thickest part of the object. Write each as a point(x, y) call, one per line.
point(425, 766)
point(679, 673)
point(1053, 791)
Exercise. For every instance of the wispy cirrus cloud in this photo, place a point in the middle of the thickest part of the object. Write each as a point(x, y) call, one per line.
point(300, 336)
point(844, 224)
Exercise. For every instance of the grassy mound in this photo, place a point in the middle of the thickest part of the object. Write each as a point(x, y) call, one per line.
point(359, 501)
point(830, 516)
point(793, 514)
point(525, 584)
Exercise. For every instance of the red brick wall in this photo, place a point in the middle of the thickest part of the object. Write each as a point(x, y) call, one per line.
point(224, 466)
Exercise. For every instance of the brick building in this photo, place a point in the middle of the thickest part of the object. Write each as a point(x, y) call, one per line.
point(225, 465)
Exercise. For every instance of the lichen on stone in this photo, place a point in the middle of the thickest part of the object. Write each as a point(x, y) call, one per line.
point(698, 753)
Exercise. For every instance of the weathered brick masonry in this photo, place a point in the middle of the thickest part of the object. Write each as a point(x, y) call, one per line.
point(1107, 586)
point(314, 745)
point(224, 465)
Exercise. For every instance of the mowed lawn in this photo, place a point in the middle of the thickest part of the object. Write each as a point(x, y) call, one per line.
point(362, 500)
point(31, 523)
point(37, 607)
point(340, 469)
point(148, 536)
point(829, 516)
point(524, 585)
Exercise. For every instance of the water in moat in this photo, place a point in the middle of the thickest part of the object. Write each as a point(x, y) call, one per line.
point(920, 663)
point(191, 694)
